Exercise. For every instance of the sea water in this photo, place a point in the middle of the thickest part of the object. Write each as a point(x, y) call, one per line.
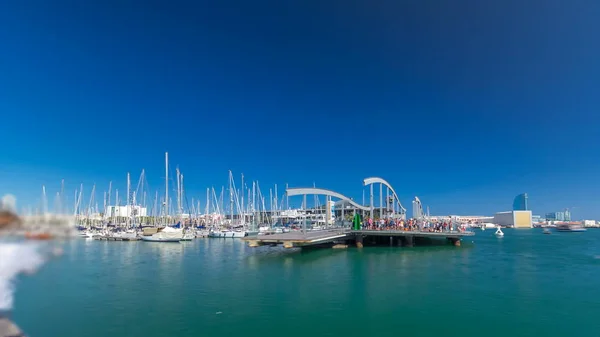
point(525, 284)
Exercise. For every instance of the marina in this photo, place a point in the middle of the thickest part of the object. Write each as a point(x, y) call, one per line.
point(300, 169)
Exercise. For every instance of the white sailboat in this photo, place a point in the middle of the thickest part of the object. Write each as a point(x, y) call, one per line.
point(231, 233)
point(188, 235)
point(167, 234)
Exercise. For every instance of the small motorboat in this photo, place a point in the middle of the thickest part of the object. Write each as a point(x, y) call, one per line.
point(499, 232)
point(547, 231)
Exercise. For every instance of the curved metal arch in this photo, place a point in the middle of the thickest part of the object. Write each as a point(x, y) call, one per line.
point(377, 180)
point(320, 191)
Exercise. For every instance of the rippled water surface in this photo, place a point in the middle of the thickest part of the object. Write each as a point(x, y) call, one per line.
point(525, 284)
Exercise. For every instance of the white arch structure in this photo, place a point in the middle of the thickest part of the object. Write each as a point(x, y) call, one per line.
point(320, 191)
point(376, 180)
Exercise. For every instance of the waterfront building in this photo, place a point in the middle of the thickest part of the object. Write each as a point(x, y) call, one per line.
point(520, 203)
point(126, 211)
point(516, 219)
point(417, 208)
point(559, 216)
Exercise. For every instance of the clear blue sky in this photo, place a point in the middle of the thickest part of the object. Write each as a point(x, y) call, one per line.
point(463, 103)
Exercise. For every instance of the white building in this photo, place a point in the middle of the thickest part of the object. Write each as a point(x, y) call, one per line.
point(417, 209)
point(126, 211)
point(516, 219)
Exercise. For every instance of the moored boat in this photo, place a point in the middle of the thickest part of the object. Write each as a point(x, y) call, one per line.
point(226, 234)
point(167, 234)
point(188, 236)
point(570, 227)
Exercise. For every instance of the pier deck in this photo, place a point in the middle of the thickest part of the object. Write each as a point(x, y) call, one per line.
point(299, 239)
point(423, 234)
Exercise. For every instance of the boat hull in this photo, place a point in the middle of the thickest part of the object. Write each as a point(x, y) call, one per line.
point(227, 234)
point(155, 239)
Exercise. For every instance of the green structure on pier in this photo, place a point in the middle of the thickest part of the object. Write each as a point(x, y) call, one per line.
point(356, 222)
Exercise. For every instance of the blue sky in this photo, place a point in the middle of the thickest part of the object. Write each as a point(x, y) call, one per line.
point(465, 103)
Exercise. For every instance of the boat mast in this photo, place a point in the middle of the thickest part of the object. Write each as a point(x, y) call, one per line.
point(178, 192)
point(243, 222)
point(276, 205)
point(108, 197)
point(167, 186)
point(127, 208)
point(181, 197)
point(104, 206)
point(254, 205)
point(155, 210)
point(207, 206)
point(231, 197)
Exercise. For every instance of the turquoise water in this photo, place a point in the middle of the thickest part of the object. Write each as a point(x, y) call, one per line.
point(525, 284)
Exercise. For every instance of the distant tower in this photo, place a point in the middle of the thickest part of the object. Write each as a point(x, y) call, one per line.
point(417, 209)
point(520, 203)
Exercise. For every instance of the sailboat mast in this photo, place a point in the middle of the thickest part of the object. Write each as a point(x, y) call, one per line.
point(243, 211)
point(167, 185)
point(178, 192)
point(276, 205)
point(287, 198)
point(181, 196)
point(127, 203)
point(155, 210)
point(207, 202)
point(231, 196)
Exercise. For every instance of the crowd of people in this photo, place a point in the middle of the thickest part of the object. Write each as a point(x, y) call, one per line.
point(391, 224)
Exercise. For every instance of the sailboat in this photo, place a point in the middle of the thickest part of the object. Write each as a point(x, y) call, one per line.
point(167, 234)
point(233, 232)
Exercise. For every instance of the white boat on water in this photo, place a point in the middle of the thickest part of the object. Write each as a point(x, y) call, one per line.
point(188, 236)
point(89, 234)
point(127, 235)
point(167, 234)
point(499, 232)
point(202, 233)
point(570, 227)
point(226, 234)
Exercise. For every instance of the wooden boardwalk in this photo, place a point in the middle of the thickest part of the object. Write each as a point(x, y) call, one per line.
point(300, 239)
